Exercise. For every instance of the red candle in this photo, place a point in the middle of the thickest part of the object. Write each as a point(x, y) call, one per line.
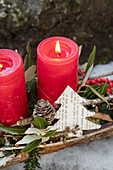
point(13, 96)
point(57, 59)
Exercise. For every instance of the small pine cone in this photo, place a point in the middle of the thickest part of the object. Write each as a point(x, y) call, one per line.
point(44, 109)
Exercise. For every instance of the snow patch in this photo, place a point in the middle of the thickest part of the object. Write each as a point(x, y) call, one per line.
point(4, 160)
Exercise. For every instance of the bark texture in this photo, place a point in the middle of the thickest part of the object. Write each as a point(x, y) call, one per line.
point(89, 136)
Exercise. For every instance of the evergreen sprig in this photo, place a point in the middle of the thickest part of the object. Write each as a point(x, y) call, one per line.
point(33, 161)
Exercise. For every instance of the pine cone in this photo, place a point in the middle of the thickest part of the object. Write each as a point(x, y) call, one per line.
point(44, 109)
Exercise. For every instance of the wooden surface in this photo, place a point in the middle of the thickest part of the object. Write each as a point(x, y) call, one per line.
point(104, 133)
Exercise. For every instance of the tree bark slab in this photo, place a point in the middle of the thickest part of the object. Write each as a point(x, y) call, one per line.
point(104, 133)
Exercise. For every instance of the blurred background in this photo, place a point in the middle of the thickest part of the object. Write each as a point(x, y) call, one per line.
point(88, 23)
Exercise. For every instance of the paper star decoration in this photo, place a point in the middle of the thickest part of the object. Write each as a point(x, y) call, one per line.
point(72, 113)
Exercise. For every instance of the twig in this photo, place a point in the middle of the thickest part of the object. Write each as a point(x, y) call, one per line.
point(11, 148)
point(96, 101)
point(24, 122)
point(57, 136)
point(103, 75)
point(79, 89)
point(11, 136)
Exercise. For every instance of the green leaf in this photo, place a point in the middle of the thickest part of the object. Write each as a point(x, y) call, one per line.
point(32, 86)
point(50, 133)
point(104, 89)
point(98, 89)
point(97, 94)
point(88, 93)
point(91, 59)
point(87, 75)
point(28, 59)
point(27, 139)
point(80, 50)
point(27, 62)
point(32, 145)
point(45, 139)
point(40, 122)
point(28, 49)
point(83, 66)
point(30, 73)
point(35, 131)
point(80, 77)
point(13, 130)
point(104, 109)
point(31, 94)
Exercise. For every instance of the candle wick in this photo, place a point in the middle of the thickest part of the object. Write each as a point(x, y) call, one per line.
point(59, 54)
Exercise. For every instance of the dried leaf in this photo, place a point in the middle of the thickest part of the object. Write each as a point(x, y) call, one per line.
point(102, 116)
point(30, 73)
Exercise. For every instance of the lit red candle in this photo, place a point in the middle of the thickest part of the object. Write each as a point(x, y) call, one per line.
point(13, 96)
point(57, 60)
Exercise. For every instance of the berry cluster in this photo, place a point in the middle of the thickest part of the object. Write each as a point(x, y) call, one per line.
point(98, 81)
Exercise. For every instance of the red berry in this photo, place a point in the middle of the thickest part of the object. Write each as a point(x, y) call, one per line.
point(109, 90)
point(83, 75)
point(110, 84)
point(79, 71)
point(103, 79)
point(98, 83)
point(88, 82)
point(84, 71)
point(93, 81)
point(99, 80)
point(106, 80)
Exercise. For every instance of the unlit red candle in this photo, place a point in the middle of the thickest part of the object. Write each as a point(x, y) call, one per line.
point(57, 68)
point(13, 96)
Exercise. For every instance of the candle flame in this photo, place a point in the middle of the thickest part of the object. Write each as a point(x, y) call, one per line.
point(1, 66)
point(57, 47)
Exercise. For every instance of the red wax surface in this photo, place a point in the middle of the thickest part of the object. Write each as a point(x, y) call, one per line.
point(13, 96)
point(56, 71)
point(6, 66)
